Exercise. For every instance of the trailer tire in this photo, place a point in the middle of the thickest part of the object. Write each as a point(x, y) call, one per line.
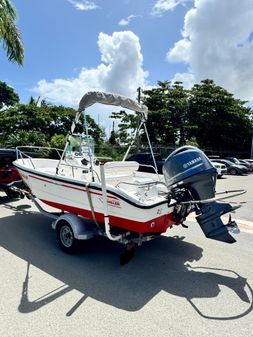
point(65, 238)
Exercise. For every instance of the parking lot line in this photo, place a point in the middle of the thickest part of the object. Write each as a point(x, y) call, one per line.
point(244, 225)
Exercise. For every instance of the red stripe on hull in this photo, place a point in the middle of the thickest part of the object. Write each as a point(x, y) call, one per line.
point(71, 186)
point(157, 225)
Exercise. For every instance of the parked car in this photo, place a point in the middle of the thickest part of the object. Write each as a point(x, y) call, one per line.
point(146, 161)
point(233, 159)
point(220, 168)
point(233, 168)
point(248, 165)
point(249, 160)
point(237, 161)
point(8, 173)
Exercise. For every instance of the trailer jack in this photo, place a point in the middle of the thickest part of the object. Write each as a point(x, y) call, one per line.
point(128, 254)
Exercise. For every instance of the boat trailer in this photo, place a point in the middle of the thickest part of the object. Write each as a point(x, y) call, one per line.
point(71, 229)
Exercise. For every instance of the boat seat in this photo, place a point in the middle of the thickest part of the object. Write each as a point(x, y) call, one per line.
point(120, 168)
point(143, 181)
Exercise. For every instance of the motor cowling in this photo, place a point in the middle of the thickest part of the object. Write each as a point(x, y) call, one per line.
point(190, 176)
point(185, 163)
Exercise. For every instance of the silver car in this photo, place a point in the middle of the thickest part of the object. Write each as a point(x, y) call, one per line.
point(220, 168)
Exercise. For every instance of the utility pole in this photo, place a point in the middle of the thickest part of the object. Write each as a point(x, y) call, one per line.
point(138, 120)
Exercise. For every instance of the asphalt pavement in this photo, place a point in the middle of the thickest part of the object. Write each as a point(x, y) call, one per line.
point(181, 284)
point(243, 215)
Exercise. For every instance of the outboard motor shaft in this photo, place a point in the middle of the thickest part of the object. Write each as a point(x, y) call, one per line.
point(190, 176)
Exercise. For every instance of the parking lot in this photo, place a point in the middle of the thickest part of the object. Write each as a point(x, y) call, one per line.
point(182, 284)
point(228, 182)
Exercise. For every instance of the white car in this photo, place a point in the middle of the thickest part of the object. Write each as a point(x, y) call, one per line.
point(220, 168)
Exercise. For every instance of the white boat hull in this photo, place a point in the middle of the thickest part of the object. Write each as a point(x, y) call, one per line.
point(71, 195)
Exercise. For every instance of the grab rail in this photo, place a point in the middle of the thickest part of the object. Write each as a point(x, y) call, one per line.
point(142, 184)
point(22, 155)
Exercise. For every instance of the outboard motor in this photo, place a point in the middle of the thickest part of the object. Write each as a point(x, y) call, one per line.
point(190, 176)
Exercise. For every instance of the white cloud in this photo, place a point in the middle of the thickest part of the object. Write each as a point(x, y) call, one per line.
point(162, 6)
point(120, 72)
point(187, 79)
point(126, 21)
point(122, 52)
point(217, 44)
point(180, 52)
point(69, 91)
point(83, 5)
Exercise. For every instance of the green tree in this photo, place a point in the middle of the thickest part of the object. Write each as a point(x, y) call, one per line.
point(95, 131)
point(32, 101)
point(112, 138)
point(47, 119)
point(167, 118)
point(126, 126)
point(58, 141)
point(8, 96)
point(21, 137)
point(167, 121)
point(218, 120)
point(9, 34)
point(107, 152)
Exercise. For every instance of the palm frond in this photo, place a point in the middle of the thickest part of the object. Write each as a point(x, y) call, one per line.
point(8, 9)
point(9, 35)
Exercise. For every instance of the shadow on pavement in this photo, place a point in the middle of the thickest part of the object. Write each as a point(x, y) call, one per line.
point(158, 265)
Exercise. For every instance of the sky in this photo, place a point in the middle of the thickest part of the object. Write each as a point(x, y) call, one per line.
point(75, 46)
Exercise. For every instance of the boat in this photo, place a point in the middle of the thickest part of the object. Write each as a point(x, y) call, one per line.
point(122, 203)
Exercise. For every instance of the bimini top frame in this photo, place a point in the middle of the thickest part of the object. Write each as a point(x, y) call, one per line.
point(93, 97)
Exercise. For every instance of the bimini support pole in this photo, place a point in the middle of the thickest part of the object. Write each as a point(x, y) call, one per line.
point(105, 206)
point(150, 147)
point(133, 140)
point(73, 126)
point(89, 150)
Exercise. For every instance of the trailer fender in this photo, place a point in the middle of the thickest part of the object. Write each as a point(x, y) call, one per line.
point(81, 228)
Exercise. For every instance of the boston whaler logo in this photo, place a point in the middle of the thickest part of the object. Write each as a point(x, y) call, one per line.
point(110, 202)
point(192, 162)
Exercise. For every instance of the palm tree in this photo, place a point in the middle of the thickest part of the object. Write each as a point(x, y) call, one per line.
point(9, 35)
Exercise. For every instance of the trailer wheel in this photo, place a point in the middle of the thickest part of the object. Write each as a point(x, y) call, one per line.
point(65, 237)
